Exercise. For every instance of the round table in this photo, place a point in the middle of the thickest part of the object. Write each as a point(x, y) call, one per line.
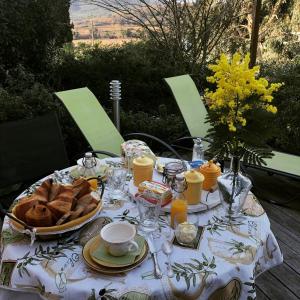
point(223, 264)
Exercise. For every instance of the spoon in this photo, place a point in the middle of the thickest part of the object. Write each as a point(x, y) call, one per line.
point(167, 248)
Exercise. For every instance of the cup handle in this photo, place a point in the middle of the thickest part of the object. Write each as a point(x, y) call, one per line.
point(133, 246)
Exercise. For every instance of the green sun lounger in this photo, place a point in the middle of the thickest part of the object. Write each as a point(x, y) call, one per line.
point(96, 126)
point(194, 111)
point(92, 119)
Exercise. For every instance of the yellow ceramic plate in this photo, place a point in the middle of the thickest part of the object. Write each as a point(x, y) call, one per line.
point(97, 241)
point(107, 270)
point(69, 226)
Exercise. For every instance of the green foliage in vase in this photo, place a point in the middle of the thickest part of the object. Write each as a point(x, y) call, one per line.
point(252, 147)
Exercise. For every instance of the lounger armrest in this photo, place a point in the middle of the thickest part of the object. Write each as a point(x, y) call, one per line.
point(178, 143)
point(107, 153)
point(185, 138)
point(95, 152)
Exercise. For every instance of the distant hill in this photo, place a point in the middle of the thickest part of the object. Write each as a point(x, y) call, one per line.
point(80, 10)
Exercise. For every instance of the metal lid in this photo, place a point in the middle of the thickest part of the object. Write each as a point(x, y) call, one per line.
point(88, 155)
point(175, 167)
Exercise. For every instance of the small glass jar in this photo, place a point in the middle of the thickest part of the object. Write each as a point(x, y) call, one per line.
point(172, 169)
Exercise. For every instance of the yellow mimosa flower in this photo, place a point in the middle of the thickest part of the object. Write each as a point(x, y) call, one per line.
point(235, 84)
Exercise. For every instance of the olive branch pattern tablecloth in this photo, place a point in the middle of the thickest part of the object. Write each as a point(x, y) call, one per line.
point(224, 265)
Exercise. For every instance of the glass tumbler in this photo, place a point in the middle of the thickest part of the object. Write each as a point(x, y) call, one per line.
point(149, 210)
point(116, 183)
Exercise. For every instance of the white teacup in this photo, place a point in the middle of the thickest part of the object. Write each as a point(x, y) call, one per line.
point(118, 238)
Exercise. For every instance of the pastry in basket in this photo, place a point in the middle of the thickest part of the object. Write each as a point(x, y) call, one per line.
point(55, 204)
point(53, 191)
point(43, 191)
point(89, 208)
point(76, 213)
point(59, 208)
point(81, 187)
point(38, 215)
point(24, 205)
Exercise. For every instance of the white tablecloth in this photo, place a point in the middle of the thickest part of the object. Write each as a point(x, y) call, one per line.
point(225, 264)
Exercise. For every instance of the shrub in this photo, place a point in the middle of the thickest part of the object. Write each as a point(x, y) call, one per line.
point(23, 97)
point(32, 31)
point(287, 100)
point(167, 126)
point(139, 66)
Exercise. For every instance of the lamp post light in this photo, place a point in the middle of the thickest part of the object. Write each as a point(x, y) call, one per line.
point(115, 96)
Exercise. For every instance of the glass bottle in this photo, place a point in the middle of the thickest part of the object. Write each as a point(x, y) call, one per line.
point(198, 150)
point(88, 169)
point(179, 204)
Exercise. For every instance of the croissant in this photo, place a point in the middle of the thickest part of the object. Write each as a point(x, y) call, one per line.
point(64, 218)
point(38, 215)
point(81, 187)
point(43, 190)
point(89, 208)
point(66, 188)
point(24, 205)
point(84, 200)
point(53, 191)
point(65, 196)
point(59, 208)
point(77, 213)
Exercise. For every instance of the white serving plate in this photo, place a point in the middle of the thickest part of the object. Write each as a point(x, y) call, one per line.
point(207, 201)
point(212, 201)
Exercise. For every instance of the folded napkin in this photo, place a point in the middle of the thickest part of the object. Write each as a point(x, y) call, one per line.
point(101, 254)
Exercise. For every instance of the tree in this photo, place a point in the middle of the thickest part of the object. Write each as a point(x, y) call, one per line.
point(187, 30)
point(276, 20)
point(31, 31)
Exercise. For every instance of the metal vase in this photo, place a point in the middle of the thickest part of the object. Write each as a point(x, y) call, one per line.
point(233, 188)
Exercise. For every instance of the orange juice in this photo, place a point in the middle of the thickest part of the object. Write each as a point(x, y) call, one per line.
point(178, 209)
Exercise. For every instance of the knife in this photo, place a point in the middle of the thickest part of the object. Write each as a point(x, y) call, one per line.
point(157, 271)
